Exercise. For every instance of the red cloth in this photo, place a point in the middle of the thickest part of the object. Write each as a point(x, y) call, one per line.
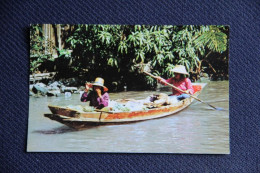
point(183, 84)
point(196, 88)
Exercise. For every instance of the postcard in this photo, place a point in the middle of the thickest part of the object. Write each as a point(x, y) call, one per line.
point(129, 88)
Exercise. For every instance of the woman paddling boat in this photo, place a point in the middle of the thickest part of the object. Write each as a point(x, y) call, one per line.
point(179, 80)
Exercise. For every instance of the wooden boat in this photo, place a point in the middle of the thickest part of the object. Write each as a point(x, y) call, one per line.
point(78, 120)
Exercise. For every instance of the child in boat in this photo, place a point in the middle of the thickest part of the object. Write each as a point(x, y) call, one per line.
point(98, 97)
point(179, 80)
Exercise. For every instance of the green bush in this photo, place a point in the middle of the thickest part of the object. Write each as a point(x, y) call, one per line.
point(112, 51)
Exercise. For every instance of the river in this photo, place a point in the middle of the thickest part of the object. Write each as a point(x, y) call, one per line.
point(196, 129)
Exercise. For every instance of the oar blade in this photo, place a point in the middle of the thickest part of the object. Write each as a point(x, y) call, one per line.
point(217, 108)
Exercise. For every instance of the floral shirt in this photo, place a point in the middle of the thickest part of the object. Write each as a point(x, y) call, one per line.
point(97, 102)
point(183, 84)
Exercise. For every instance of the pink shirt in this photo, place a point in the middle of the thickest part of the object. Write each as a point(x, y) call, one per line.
point(183, 84)
point(97, 102)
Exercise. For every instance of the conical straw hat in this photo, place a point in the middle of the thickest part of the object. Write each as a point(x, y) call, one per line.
point(180, 69)
point(100, 82)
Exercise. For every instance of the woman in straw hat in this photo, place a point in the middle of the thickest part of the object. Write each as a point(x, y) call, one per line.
point(179, 80)
point(98, 97)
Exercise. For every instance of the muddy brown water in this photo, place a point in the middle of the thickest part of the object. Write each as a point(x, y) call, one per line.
point(196, 129)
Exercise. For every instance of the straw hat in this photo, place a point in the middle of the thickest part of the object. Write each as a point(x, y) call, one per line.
point(180, 69)
point(100, 82)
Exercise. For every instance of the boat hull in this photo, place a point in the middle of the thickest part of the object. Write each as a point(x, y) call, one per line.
point(79, 120)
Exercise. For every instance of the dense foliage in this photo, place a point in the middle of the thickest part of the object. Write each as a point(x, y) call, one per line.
point(40, 48)
point(111, 51)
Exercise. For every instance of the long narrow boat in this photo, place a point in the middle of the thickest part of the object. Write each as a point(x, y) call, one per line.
point(78, 120)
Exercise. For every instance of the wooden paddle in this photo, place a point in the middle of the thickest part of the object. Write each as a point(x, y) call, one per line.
point(182, 91)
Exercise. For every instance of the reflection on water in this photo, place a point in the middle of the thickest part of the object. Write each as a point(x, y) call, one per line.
point(58, 130)
point(197, 129)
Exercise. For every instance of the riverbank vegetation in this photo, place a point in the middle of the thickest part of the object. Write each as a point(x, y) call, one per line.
point(85, 52)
